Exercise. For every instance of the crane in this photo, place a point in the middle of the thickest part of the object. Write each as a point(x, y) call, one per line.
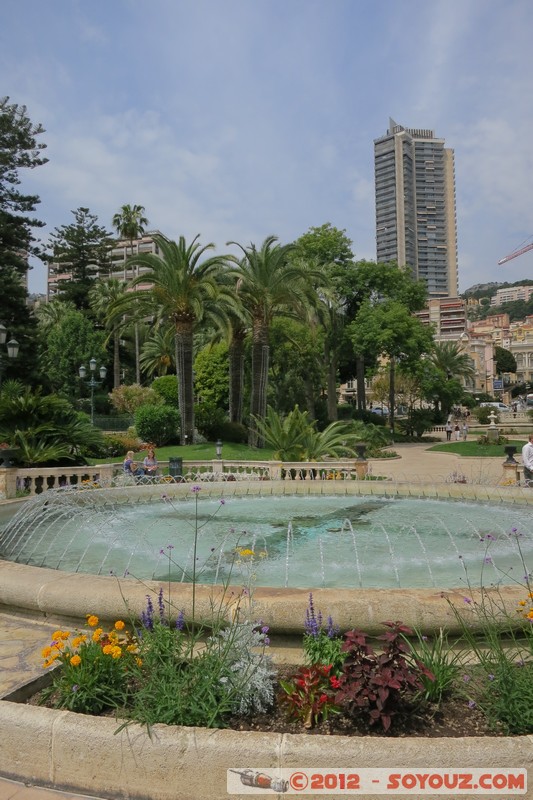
point(516, 253)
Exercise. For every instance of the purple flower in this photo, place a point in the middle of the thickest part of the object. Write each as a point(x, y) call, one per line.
point(471, 704)
point(196, 489)
point(265, 629)
point(164, 497)
point(467, 600)
point(161, 603)
point(222, 501)
point(170, 547)
point(147, 617)
point(75, 688)
point(266, 641)
point(491, 677)
point(180, 621)
point(466, 678)
point(488, 560)
point(424, 638)
point(162, 552)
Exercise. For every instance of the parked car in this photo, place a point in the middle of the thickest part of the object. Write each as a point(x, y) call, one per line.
point(496, 406)
point(383, 411)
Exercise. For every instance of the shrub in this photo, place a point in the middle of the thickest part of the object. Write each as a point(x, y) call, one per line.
point(116, 444)
point(482, 414)
point(380, 686)
point(127, 399)
point(234, 432)
point(157, 424)
point(367, 417)
point(209, 420)
point(166, 387)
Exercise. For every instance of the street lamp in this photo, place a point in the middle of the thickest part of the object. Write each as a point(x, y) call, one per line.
point(12, 348)
point(92, 384)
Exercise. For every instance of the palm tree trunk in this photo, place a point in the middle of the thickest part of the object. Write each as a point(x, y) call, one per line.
point(236, 376)
point(116, 359)
point(184, 372)
point(260, 364)
point(332, 386)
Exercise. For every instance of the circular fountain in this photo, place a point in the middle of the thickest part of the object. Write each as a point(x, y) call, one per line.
point(286, 541)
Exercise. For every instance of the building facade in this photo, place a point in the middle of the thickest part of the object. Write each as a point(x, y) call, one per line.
point(415, 206)
point(118, 267)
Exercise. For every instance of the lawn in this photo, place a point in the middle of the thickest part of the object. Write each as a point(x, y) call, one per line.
point(472, 448)
point(204, 452)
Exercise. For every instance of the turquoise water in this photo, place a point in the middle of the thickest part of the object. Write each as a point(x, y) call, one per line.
point(293, 541)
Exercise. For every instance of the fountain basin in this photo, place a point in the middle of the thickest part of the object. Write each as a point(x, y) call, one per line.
point(285, 535)
point(82, 754)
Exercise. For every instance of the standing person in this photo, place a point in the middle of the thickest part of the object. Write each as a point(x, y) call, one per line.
point(150, 462)
point(527, 460)
point(448, 430)
point(465, 431)
point(457, 433)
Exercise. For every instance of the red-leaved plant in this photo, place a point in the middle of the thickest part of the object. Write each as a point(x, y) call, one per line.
point(379, 686)
point(309, 695)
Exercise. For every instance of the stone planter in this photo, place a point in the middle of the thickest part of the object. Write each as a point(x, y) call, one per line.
point(84, 754)
point(8, 456)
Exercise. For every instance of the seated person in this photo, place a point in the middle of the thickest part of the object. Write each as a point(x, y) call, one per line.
point(131, 467)
point(150, 462)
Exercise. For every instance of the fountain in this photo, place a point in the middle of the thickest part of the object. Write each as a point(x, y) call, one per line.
point(287, 541)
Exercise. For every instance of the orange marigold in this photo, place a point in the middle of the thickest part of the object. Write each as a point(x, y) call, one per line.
point(107, 649)
point(97, 633)
point(75, 661)
point(92, 620)
point(119, 625)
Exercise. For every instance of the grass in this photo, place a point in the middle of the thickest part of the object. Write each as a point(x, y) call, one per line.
point(203, 452)
point(472, 448)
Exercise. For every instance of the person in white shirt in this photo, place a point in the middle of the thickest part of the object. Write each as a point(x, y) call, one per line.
point(527, 460)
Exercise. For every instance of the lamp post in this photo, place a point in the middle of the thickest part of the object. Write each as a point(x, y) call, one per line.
point(92, 384)
point(218, 446)
point(12, 348)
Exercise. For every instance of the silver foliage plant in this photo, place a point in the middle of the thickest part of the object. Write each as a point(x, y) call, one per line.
point(250, 674)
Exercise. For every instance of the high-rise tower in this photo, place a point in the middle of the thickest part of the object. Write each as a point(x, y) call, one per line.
point(415, 206)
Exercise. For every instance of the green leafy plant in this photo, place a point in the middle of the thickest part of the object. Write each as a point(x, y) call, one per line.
point(157, 424)
point(380, 686)
point(309, 694)
point(440, 659)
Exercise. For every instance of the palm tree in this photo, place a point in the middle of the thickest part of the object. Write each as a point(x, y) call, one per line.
point(451, 360)
point(130, 223)
point(102, 297)
point(157, 356)
point(185, 292)
point(268, 285)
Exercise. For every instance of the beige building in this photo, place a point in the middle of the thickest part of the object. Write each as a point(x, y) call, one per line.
point(511, 294)
point(446, 316)
point(58, 274)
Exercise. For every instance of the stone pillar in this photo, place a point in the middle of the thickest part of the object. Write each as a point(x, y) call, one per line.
point(361, 469)
point(510, 473)
point(8, 483)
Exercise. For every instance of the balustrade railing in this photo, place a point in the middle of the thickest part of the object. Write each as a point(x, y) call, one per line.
point(26, 481)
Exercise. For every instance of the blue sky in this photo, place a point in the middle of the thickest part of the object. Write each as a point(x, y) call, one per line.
point(237, 119)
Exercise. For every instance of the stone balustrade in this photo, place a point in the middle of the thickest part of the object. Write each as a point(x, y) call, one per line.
point(30, 481)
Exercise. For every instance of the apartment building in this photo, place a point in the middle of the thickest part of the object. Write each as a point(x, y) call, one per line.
point(415, 206)
point(510, 294)
point(446, 316)
point(118, 268)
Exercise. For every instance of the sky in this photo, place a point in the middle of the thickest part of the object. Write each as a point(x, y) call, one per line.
point(238, 119)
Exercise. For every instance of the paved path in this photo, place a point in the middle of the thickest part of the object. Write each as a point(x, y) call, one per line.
point(21, 639)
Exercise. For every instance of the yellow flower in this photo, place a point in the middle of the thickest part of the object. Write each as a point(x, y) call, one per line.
point(246, 552)
point(116, 652)
point(49, 662)
point(57, 635)
point(131, 648)
point(75, 661)
point(522, 603)
point(107, 649)
point(119, 625)
point(530, 615)
point(59, 644)
point(139, 662)
point(65, 634)
point(46, 652)
point(113, 637)
point(97, 633)
point(92, 620)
